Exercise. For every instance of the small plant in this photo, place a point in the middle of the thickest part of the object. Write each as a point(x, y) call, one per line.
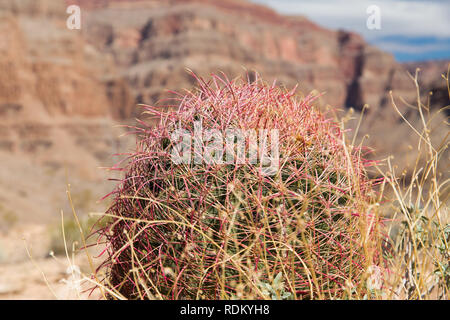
point(72, 234)
point(8, 217)
point(419, 262)
point(210, 231)
point(276, 290)
point(443, 262)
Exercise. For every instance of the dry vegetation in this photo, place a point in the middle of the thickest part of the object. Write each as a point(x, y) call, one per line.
point(415, 250)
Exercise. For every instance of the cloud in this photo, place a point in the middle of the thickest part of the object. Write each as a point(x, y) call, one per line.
point(414, 18)
point(408, 19)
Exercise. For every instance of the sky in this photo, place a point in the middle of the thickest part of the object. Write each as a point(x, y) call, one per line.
point(413, 30)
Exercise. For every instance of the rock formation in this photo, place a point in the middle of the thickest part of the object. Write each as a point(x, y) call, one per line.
point(62, 91)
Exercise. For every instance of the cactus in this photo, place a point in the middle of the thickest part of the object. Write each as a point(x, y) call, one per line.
point(219, 230)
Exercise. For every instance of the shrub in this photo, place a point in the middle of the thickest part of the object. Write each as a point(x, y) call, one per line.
point(210, 231)
point(420, 227)
point(8, 219)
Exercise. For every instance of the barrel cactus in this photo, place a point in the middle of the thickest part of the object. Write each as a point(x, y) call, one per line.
point(228, 228)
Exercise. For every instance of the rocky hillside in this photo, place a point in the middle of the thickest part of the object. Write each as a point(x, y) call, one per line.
point(55, 110)
point(153, 42)
point(62, 91)
point(431, 83)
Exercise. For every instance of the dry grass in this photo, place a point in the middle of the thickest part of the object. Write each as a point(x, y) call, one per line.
point(420, 229)
point(416, 257)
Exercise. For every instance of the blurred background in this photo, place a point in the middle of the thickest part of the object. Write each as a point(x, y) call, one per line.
point(65, 88)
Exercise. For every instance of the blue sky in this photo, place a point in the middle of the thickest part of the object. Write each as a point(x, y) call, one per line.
point(412, 30)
